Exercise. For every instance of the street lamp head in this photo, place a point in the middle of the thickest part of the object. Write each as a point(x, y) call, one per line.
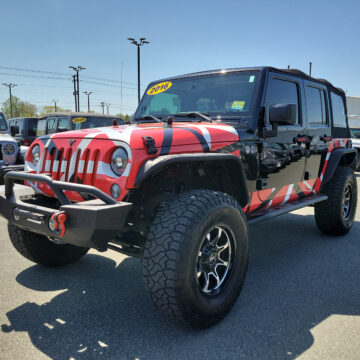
point(146, 42)
point(131, 39)
point(142, 39)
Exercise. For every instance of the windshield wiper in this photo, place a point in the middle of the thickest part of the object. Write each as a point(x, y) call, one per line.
point(149, 117)
point(195, 114)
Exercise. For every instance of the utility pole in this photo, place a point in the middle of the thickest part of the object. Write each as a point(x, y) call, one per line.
point(121, 94)
point(310, 66)
point(75, 92)
point(102, 104)
point(77, 69)
point(142, 41)
point(10, 86)
point(55, 101)
point(107, 108)
point(88, 93)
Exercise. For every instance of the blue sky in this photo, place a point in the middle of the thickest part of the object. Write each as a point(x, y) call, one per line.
point(185, 36)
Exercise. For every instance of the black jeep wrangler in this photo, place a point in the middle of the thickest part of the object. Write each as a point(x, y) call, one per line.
point(206, 155)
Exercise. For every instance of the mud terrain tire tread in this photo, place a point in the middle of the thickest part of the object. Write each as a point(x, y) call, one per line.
point(170, 234)
point(328, 215)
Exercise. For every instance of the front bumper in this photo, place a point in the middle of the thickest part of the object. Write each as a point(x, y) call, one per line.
point(4, 169)
point(91, 223)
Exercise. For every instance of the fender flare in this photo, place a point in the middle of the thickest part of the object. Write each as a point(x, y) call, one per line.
point(153, 166)
point(335, 158)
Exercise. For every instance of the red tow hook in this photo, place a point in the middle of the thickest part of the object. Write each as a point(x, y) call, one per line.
point(57, 223)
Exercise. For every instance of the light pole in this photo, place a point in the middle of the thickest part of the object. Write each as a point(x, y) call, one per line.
point(141, 42)
point(55, 101)
point(88, 93)
point(77, 69)
point(102, 104)
point(10, 86)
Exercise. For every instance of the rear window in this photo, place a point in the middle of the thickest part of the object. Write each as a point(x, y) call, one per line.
point(3, 126)
point(32, 126)
point(338, 110)
point(41, 127)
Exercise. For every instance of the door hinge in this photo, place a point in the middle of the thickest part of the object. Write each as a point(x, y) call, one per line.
point(261, 184)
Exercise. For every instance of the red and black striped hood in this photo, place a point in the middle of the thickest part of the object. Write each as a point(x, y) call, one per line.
point(177, 134)
point(84, 156)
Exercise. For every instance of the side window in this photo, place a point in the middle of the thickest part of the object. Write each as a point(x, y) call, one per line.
point(41, 127)
point(51, 126)
point(338, 111)
point(20, 124)
point(283, 92)
point(316, 106)
point(32, 126)
point(64, 123)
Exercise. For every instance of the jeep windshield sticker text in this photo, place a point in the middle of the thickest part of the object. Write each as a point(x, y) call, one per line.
point(238, 105)
point(78, 120)
point(159, 88)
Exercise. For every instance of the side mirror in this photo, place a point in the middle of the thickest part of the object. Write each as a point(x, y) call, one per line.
point(14, 130)
point(283, 114)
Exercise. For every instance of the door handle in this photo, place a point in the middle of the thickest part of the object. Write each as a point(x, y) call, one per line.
point(325, 138)
point(300, 139)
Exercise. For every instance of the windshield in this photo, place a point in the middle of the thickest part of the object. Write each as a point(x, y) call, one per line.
point(3, 126)
point(86, 122)
point(355, 133)
point(224, 95)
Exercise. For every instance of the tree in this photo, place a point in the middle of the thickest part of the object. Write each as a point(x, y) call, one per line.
point(50, 109)
point(126, 117)
point(19, 108)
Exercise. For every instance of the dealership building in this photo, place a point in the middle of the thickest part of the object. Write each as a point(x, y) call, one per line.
point(353, 109)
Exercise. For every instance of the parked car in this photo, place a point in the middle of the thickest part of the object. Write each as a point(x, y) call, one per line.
point(60, 122)
point(355, 135)
point(23, 129)
point(177, 189)
point(9, 150)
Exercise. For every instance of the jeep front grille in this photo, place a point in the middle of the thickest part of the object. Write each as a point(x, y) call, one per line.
point(71, 165)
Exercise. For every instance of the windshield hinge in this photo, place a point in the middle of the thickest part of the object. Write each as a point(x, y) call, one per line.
point(149, 142)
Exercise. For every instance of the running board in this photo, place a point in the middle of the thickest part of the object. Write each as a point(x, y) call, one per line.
point(261, 215)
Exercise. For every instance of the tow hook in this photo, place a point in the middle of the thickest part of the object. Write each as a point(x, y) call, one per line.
point(57, 223)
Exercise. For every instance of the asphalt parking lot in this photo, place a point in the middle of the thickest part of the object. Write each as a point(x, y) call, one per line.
point(301, 299)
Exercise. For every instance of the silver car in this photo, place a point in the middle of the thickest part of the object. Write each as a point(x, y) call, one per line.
point(9, 150)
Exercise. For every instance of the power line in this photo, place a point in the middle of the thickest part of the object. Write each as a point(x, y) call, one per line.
point(64, 74)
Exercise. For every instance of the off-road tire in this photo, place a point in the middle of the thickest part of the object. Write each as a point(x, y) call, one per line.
point(41, 250)
point(329, 214)
point(172, 251)
point(358, 159)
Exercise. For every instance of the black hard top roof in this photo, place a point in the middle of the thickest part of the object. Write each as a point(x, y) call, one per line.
point(294, 72)
point(79, 114)
point(23, 117)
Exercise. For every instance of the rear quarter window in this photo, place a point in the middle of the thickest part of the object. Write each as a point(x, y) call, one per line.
point(338, 111)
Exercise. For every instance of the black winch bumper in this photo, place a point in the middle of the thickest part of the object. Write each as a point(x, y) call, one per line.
point(7, 168)
point(91, 223)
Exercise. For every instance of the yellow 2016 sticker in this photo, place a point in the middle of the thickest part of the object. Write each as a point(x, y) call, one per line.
point(238, 105)
point(159, 88)
point(78, 120)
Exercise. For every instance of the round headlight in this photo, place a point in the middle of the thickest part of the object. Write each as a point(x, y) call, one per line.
point(9, 149)
point(119, 161)
point(35, 152)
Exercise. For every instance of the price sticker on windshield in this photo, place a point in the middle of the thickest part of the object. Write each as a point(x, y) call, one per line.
point(78, 120)
point(159, 88)
point(238, 105)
